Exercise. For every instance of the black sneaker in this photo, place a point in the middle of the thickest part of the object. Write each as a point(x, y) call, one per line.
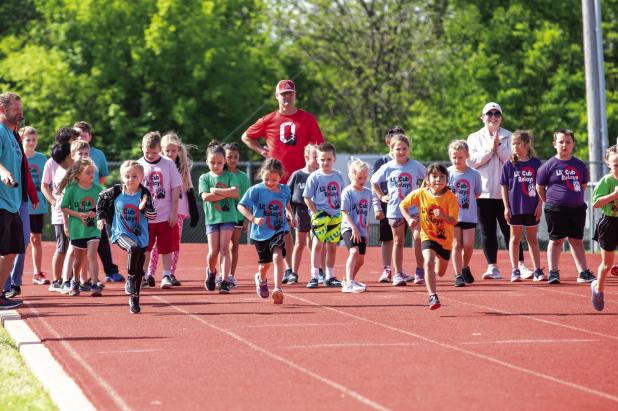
point(134, 307)
point(129, 285)
point(224, 287)
point(175, 282)
point(95, 290)
point(292, 278)
point(467, 275)
point(434, 302)
point(210, 281)
point(55, 286)
point(14, 291)
point(6, 304)
point(150, 280)
point(554, 277)
point(459, 281)
point(332, 282)
point(74, 287)
point(313, 283)
point(286, 275)
point(586, 276)
point(85, 287)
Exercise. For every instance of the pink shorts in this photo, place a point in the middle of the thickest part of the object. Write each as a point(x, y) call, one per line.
point(166, 237)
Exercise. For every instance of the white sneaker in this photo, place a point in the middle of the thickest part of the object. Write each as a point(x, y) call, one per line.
point(166, 282)
point(358, 283)
point(352, 287)
point(407, 277)
point(398, 280)
point(526, 273)
point(386, 275)
point(492, 273)
point(231, 281)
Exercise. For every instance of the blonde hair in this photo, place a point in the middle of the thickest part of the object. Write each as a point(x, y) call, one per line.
point(309, 149)
point(71, 176)
point(128, 164)
point(355, 166)
point(28, 131)
point(77, 145)
point(525, 137)
point(184, 163)
point(457, 145)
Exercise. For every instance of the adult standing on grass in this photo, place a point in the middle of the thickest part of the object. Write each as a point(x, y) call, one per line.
point(11, 186)
point(490, 148)
point(287, 132)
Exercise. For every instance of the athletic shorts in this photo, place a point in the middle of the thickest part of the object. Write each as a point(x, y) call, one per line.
point(606, 233)
point(167, 238)
point(11, 233)
point(347, 239)
point(215, 228)
point(239, 223)
point(386, 233)
point(82, 243)
point(326, 228)
point(62, 241)
point(435, 246)
point(565, 221)
point(465, 225)
point(36, 223)
point(397, 222)
point(265, 248)
point(525, 220)
point(302, 218)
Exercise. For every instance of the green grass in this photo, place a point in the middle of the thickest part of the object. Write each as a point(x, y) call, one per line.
point(19, 388)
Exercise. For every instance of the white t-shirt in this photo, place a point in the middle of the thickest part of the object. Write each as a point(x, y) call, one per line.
point(53, 175)
point(161, 177)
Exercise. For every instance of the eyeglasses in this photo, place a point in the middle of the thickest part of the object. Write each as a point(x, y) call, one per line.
point(493, 114)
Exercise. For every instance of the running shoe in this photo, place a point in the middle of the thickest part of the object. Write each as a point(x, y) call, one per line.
point(116, 278)
point(386, 276)
point(597, 297)
point(539, 275)
point(492, 273)
point(321, 276)
point(516, 276)
point(419, 276)
point(210, 281)
point(85, 287)
point(586, 276)
point(313, 283)
point(40, 279)
point(74, 288)
point(134, 307)
point(525, 272)
point(554, 277)
point(96, 291)
point(175, 282)
point(14, 291)
point(292, 278)
point(261, 287)
point(277, 296)
point(332, 283)
point(434, 302)
point(286, 275)
point(55, 286)
point(359, 284)
point(467, 275)
point(459, 281)
point(231, 281)
point(66, 287)
point(6, 304)
point(399, 280)
point(224, 287)
point(166, 282)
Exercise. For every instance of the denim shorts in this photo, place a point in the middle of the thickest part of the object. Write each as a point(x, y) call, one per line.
point(215, 228)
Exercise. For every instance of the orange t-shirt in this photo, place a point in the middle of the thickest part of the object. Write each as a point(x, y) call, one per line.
point(434, 228)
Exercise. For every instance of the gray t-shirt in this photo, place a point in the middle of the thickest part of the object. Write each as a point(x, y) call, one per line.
point(325, 191)
point(466, 186)
point(356, 203)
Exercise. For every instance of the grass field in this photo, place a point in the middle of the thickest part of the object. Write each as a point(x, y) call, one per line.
point(19, 389)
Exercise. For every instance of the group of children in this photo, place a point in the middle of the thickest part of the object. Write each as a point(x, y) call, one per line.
point(146, 212)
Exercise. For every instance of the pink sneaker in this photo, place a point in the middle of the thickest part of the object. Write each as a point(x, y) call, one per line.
point(40, 279)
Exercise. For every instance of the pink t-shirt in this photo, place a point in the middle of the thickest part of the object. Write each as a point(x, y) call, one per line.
point(53, 175)
point(183, 201)
point(161, 177)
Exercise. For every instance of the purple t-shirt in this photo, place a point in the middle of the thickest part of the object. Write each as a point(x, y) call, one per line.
point(521, 179)
point(564, 181)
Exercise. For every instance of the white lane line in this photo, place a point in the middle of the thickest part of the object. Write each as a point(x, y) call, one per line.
point(128, 351)
point(339, 387)
point(529, 317)
point(112, 393)
point(288, 325)
point(547, 341)
point(494, 360)
point(347, 345)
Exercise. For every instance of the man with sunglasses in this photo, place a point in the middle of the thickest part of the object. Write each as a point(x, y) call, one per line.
point(490, 148)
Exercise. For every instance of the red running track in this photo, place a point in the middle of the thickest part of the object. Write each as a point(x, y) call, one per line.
point(492, 345)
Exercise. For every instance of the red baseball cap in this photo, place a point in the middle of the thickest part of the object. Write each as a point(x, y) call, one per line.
point(285, 85)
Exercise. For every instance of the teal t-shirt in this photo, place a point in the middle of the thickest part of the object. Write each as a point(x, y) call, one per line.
point(222, 211)
point(100, 161)
point(79, 199)
point(243, 186)
point(606, 185)
point(36, 163)
point(10, 158)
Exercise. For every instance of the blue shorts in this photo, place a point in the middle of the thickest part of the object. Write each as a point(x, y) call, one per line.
point(215, 228)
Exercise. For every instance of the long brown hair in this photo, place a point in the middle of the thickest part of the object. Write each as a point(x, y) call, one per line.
point(525, 137)
point(71, 175)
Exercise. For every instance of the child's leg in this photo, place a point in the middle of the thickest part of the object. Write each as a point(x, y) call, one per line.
point(554, 248)
point(263, 271)
point(316, 256)
point(442, 265)
point(458, 250)
point(467, 236)
point(289, 244)
point(225, 237)
point(514, 243)
point(351, 264)
point(37, 252)
point(399, 238)
point(175, 254)
point(387, 253)
point(429, 257)
point(79, 258)
point(62, 245)
point(579, 254)
point(533, 246)
point(416, 241)
point(153, 261)
point(234, 243)
point(93, 263)
point(68, 261)
point(278, 266)
point(607, 262)
point(297, 252)
point(213, 251)
point(331, 254)
point(360, 260)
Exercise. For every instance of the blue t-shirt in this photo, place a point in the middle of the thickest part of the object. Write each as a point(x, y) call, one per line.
point(521, 181)
point(356, 203)
point(264, 203)
point(129, 220)
point(100, 161)
point(37, 164)
point(401, 180)
point(466, 186)
point(10, 158)
point(325, 191)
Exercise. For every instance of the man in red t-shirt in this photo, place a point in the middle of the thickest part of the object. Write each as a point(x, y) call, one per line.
point(287, 131)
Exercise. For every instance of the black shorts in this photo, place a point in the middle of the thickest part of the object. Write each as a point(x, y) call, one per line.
point(386, 233)
point(565, 221)
point(347, 239)
point(606, 233)
point(525, 220)
point(82, 243)
point(62, 241)
point(239, 223)
point(265, 248)
point(36, 223)
point(433, 245)
point(11, 233)
point(465, 225)
point(302, 218)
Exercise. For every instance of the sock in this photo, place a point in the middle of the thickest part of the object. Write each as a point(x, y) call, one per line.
point(329, 272)
point(387, 267)
point(315, 272)
point(167, 273)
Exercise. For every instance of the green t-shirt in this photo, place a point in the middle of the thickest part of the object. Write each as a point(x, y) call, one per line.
point(222, 211)
point(78, 199)
point(605, 186)
point(243, 186)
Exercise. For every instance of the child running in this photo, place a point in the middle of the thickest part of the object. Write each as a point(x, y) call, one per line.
point(126, 208)
point(605, 197)
point(355, 203)
point(265, 205)
point(79, 205)
point(522, 207)
point(232, 157)
point(36, 162)
point(438, 215)
point(219, 190)
point(175, 150)
point(323, 198)
point(465, 182)
point(561, 184)
point(402, 175)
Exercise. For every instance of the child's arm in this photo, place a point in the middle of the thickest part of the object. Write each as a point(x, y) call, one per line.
point(47, 192)
point(249, 216)
point(505, 200)
point(231, 192)
point(311, 205)
point(211, 197)
point(173, 220)
point(290, 214)
point(77, 214)
point(542, 191)
point(606, 199)
point(379, 193)
point(356, 237)
point(403, 206)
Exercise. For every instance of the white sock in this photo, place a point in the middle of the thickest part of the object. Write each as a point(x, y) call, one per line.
point(329, 272)
point(315, 273)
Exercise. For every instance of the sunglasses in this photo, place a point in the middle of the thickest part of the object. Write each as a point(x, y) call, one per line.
point(493, 114)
